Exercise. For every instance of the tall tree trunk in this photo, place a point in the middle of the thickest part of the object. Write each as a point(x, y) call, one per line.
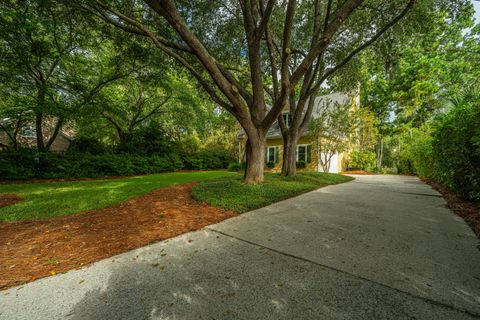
point(39, 117)
point(39, 131)
point(255, 156)
point(289, 165)
point(56, 131)
point(380, 153)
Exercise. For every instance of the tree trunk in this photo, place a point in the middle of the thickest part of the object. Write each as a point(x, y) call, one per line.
point(255, 156)
point(289, 165)
point(56, 131)
point(380, 153)
point(39, 131)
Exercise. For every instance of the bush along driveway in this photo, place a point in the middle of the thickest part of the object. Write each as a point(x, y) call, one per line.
point(66, 225)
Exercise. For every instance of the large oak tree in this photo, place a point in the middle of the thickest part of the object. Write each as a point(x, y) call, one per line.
point(257, 57)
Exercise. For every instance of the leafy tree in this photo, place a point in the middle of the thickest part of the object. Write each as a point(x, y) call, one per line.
point(252, 54)
point(366, 130)
point(35, 43)
point(407, 76)
point(332, 131)
point(46, 58)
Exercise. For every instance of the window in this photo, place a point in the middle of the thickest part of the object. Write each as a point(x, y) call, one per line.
point(304, 153)
point(271, 154)
point(286, 119)
point(28, 131)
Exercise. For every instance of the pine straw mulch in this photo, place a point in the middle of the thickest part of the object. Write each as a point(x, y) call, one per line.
point(9, 199)
point(31, 250)
point(468, 210)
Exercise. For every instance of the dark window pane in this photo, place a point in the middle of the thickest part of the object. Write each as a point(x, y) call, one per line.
point(271, 154)
point(302, 153)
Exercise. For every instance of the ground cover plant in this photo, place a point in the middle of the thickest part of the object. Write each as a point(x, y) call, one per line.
point(47, 200)
point(231, 194)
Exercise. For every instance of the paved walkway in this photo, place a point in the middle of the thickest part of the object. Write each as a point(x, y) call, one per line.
point(380, 247)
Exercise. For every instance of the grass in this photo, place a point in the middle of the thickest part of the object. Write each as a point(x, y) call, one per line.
point(46, 200)
point(231, 194)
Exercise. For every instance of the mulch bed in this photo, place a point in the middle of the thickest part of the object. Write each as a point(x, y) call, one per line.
point(34, 249)
point(468, 210)
point(9, 199)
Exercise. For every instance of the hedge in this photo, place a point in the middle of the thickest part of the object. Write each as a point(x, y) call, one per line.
point(26, 164)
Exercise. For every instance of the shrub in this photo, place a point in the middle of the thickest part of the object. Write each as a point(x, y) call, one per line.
point(387, 170)
point(18, 164)
point(416, 155)
point(30, 164)
point(235, 166)
point(301, 164)
point(86, 145)
point(362, 160)
point(456, 149)
point(270, 164)
point(204, 160)
point(448, 150)
point(148, 141)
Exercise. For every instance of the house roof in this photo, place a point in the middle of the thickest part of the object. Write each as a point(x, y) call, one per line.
point(320, 103)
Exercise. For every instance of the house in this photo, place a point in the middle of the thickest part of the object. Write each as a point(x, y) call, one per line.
point(26, 136)
point(307, 150)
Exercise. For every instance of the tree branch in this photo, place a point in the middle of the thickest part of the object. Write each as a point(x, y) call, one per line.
point(365, 44)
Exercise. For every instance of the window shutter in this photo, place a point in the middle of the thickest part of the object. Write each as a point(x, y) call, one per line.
point(276, 154)
point(309, 153)
point(266, 155)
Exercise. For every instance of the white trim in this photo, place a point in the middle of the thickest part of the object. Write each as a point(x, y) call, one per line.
point(306, 148)
point(287, 119)
point(274, 154)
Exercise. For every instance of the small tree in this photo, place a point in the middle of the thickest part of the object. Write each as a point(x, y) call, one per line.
point(366, 129)
point(331, 131)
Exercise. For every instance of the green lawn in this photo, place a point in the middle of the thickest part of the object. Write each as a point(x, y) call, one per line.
point(231, 194)
point(45, 200)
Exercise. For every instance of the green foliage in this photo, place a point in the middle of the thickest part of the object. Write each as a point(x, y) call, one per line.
point(448, 150)
point(147, 141)
point(456, 148)
point(366, 128)
point(332, 130)
point(231, 194)
point(46, 200)
point(26, 163)
point(86, 145)
point(18, 164)
point(362, 160)
point(235, 166)
point(206, 159)
point(270, 164)
point(416, 153)
point(301, 164)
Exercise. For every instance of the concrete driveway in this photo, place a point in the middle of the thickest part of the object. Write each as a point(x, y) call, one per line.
point(380, 247)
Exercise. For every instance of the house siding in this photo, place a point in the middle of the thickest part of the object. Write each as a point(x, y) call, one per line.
point(311, 166)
